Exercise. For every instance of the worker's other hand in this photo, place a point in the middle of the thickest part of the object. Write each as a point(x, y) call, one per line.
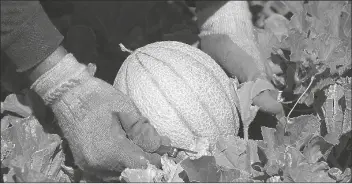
point(237, 63)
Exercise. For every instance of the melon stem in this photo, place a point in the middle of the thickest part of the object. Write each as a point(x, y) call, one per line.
point(124, 49)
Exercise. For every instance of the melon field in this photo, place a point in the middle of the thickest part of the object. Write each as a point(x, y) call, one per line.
point(307, 43)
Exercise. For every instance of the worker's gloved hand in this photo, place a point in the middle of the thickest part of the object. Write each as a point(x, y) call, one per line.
point(104, 129)
point(226, 34)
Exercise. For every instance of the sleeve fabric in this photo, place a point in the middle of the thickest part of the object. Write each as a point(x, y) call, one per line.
point(27, 34)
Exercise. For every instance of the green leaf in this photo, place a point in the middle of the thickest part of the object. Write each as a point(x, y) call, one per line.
point(267, 42)
point(269, 137)
point(297, 42)
point(246, 93)
point(346, 176)
point(262, 157)
point(298, 20)
point(335, 173)
point(345, 22)
point(37, 156)
point(342, 65)
point(278, 24)
point(203, 169)
point(333, 138)
point(317, 87)
point(28, 175)
point(295, 6)
point(258, 166)
point(171, 170)
point(16, 103)
point(330, 51)
point(274, 179)
point(317, 148)
point(329, 12)
point(301, 128)
point(252, 157)
point(74, 174)
point(293, 157)
point(310, 173)
point(229, 175)
point(274, 152)
point(347, 97)
point(231, 152)
point(333, 112)
point(340, 155)
point(150, 174)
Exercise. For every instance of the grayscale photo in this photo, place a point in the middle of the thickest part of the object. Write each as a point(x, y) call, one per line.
point(181, 91)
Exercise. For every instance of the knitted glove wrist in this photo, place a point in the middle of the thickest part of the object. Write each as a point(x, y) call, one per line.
point(65, 75)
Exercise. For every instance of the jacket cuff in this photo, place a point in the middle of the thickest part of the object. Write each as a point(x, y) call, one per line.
point(36, 40)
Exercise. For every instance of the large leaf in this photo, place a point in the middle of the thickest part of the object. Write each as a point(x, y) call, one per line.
point(316, 148)
point(340, 155)
point(297, 42)
point(298, 20)
point(16, 103)
point(305, 172)
point(171, 170)
point(328, 12)
point(332, 109)
point(150, 174)
point(302, 128)
point(203, 169)
point(37, 156)
point(278, 24)
point(347, 97)
point(231, 152)
point(345, 23)
point(340, 176)
point(273, 155)
point(229, 175)
point(295, 6)
point(24, 104)
point(267, 42)
point(297, 169)
point(246, 93)
point(316, 90)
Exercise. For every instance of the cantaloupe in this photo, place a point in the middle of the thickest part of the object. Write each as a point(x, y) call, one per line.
point(183, 92)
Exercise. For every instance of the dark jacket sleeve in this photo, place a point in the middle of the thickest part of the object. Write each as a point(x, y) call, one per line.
point(27, 34)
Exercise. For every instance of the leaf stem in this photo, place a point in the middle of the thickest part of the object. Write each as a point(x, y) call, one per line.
point(245, 132)
point(288, 116)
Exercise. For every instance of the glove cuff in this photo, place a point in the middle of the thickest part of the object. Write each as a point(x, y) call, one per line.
point(65, 75)
point(233, 18)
